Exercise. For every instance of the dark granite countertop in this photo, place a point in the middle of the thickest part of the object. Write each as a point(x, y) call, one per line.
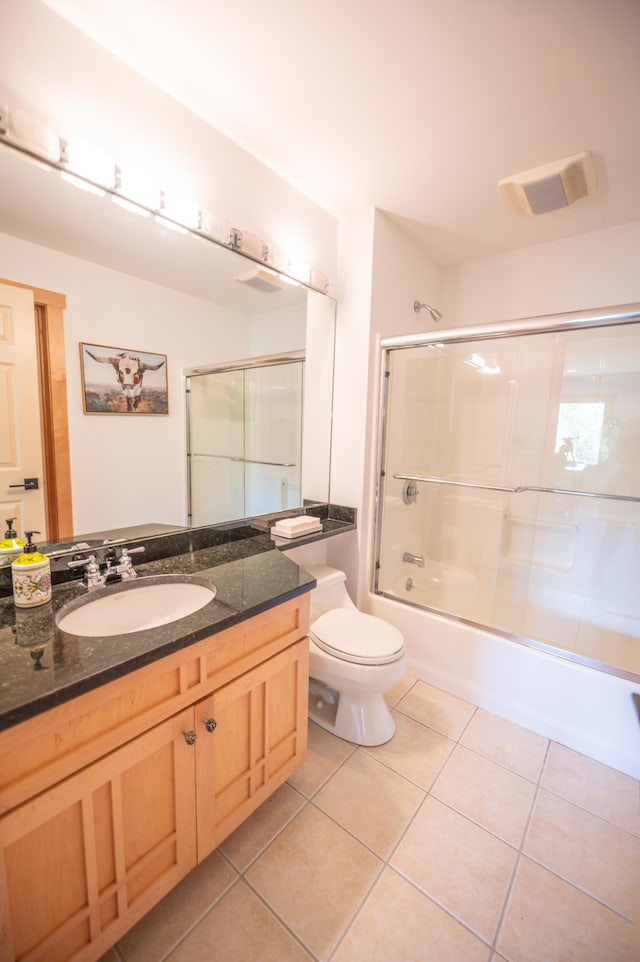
point(41, 667)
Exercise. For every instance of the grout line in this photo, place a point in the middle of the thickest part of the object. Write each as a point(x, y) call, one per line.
point(359, 909)
point(519, 855)
point(348, 832)
point(353, 749)
point(367, 750)
point(472, 821)
point(589, 811)
point(200, 918)
point(489, 758)
point(516, 865)
point(283, 925)
point(446, 909)
point(574, 885)
point(269, 843)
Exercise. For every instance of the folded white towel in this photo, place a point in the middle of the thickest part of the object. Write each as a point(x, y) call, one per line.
point(294, 527)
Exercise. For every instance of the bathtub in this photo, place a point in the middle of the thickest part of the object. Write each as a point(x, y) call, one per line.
point(584, 708)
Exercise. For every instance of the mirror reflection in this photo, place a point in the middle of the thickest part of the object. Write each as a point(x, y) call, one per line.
point(132, 283)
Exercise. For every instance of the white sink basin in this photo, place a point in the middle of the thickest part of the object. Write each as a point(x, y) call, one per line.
point(134, 607)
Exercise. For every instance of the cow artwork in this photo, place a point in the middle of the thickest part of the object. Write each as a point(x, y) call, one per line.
point(106, 396)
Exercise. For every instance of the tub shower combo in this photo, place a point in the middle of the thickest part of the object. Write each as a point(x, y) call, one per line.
point(509, 486)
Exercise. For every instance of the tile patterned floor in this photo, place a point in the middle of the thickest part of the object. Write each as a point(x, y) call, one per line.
point(464, 839)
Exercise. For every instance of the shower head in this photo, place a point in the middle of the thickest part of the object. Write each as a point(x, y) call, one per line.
point(435, 314)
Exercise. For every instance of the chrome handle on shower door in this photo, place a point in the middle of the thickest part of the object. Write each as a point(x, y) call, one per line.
point(520, 489)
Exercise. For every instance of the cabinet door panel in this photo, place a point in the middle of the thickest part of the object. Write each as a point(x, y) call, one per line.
point(260, 738)
point(84, 860)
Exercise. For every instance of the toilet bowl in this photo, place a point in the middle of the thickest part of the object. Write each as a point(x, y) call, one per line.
point(354, 659)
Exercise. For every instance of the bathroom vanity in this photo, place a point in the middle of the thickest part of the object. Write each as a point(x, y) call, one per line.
point(125, 761)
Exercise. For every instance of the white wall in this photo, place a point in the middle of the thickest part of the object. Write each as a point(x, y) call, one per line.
point(273, 332)
point(402, 274)
point(591, 270)
point(382, 273)
point(351, 378)
point(142, 456)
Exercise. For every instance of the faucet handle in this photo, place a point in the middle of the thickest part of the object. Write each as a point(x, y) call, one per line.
point(125, 564)
point(125, 555)
point(126, 552)
point(83, 562)
point(92, 574)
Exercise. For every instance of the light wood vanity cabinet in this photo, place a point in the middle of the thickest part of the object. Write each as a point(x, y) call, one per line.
point(109, 800)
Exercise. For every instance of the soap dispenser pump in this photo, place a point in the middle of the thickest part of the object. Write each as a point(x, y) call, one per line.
point(12, 544)
point(31, 574)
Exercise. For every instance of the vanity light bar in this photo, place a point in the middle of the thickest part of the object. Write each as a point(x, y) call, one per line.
point(89, 168)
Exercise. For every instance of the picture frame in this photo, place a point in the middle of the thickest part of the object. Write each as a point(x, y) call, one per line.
point(118, 380)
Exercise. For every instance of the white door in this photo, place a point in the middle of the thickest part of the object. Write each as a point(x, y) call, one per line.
point(20, 427)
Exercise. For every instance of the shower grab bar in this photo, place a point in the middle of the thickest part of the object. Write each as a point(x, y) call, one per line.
point(519, 490)
point(230, 457)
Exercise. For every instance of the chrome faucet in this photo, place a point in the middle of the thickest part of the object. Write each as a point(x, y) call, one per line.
point(413, 559)
point(92, 576)
point(125, 566)
point(97, 574)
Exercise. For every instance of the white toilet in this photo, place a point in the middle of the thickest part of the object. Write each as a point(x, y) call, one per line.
point(354, 659)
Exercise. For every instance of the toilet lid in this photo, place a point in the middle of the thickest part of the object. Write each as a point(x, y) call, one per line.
point(353, 636)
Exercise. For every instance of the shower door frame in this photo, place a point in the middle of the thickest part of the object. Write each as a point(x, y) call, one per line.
point(614, 316)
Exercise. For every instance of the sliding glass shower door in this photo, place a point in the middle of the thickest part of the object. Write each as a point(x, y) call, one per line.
point(244, 441)
point(510, 485)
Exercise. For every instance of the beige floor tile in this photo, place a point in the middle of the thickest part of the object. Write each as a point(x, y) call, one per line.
point(588, 851)
point(370, 801)
point(325, 753)
point(166, 924)
point(393, 696)
point(315, 876)
point(437, 709)
point(548, 920)
point(414, 752)
point(594, 786)
point(508, 744)
point(462, 866)
point(253, 836)
point(400, 924)
point(239, 929)
point(491, 796)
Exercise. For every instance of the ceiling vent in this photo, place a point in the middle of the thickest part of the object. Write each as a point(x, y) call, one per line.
point(552, 186)
point(262, 280)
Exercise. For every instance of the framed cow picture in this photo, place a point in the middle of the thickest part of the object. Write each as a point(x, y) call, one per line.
point(116, 380)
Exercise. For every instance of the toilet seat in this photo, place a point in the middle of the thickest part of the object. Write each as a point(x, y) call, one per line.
point(352, 636)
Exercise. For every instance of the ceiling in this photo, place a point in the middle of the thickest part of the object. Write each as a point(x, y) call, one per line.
point(417, 107)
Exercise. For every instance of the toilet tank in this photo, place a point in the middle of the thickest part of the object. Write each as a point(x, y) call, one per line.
point(330, 591)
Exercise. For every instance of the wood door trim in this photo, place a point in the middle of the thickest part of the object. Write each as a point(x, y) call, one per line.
point(49, 308)
point(40, 295)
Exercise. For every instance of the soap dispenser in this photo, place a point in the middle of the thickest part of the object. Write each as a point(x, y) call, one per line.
point(12, 544)
point(31, 574)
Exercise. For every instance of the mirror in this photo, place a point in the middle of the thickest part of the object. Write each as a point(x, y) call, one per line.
point(135, 285)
